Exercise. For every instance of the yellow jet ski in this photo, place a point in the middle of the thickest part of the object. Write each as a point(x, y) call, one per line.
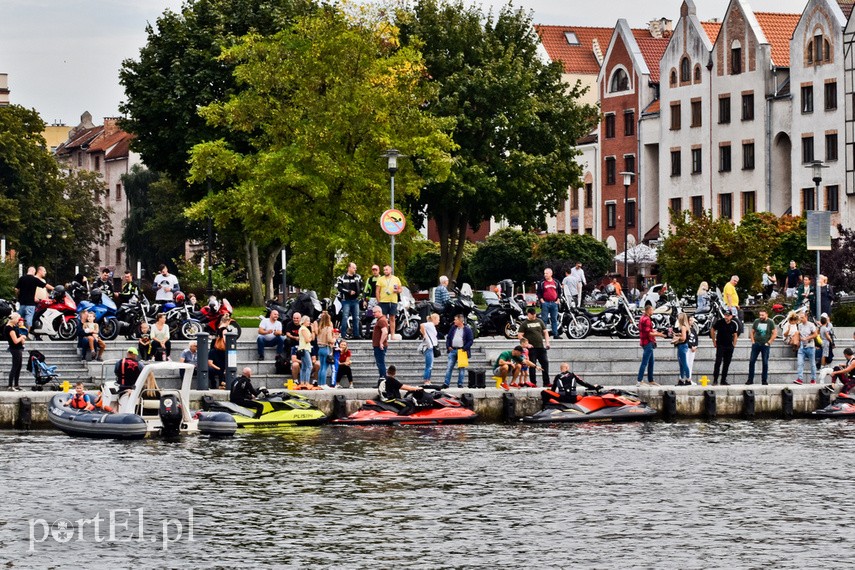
point(278, 408)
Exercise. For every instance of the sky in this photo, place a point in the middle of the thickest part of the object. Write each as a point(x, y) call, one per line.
point(63, 56)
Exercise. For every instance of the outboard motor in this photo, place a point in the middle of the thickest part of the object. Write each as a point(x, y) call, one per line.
point(170, 414)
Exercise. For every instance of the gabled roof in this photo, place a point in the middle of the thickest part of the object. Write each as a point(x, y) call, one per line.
point(576, 58)
point(81, 138)
point(778, 29)
point(644, 49)
point(652, 49)
point(846, 7)
point(114, 145)
point(712, 29)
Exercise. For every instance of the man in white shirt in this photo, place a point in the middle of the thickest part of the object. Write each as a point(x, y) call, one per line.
point(573, 284)
point(270, 334)
point(165, 284)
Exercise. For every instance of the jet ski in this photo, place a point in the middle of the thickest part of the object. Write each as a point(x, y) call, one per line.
point(843, 407)
point(280, 408)
point(426, 407)
point(594, 406)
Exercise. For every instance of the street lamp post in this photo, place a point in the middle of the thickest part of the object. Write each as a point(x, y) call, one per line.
point(392, 165)
point(816, 168)
point(210, 288)
point(627, 180)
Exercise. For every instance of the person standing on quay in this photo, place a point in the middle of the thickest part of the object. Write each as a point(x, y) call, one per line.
point(535, 332)
point(794, 279)
point(724, 335)
point(681, 342)
point(807, 349)
point(459, 338)
point(647, 337)
point(763, 333)
point(388, 288)
point(692, 342)
point(16, 349)
point(769, 280)
point(548, 293)
point(380, 341)
point(349, 287)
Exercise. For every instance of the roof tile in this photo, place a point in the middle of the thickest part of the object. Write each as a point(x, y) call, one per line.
point(576, 58)
point(712, 29)
point(652, 49)
point(778, 29)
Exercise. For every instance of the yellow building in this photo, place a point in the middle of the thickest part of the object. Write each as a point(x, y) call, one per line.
point(55, 135)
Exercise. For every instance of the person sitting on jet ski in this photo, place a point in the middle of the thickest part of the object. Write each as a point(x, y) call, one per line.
point(846, 373)
point(243, 393)
point(563, 387)
point(390, 392)
point(80, 400)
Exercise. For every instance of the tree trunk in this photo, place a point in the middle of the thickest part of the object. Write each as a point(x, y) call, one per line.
point(254, 271)
point(452, 239)
point(270, 271)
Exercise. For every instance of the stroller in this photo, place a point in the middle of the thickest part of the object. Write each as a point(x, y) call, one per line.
point(43, 373)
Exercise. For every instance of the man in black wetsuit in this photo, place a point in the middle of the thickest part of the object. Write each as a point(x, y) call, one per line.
point(243, 393)
point(390, 392)
point(563, 387)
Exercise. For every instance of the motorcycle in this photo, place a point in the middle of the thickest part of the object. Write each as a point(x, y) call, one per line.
point(56, 316)
point(706, 318)
point(180, 320)
point(460, 304)
point(502, 317)
point(573, 321)
point(665, 316)
point(210, 315)
point(6, 309)
point(618, 320)
point(105, 313)
point(135, 312)
point(408, 320)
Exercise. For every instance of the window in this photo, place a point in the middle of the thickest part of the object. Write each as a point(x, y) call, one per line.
point(697, 74)
point(611, 216)
point(571, 38)
point(118, 256)
point(610, 170)
point(685, 70)
point(630, 213)
point(118, 192)
point(107, 194)
point(807, 149)
point(748, 156)
point(724, 110)
point(749, 202)
point(673, 78)
point(98, 164)
point(610, 126)
point(677, 205)
point(697, 206)
point(589, 195)
point(831, 198)
point(696, 161)
point(807, 98)
point(831, 147)
point(748, 106)
point(675, 116)
point(827, 50)
point(620, 81)
point(696, 113)
point(574, 199)
point(629, 163)
point(724, 158)
point(80, 161)
point(807, 199)
point(736, 59)
point(629, 123)
point(831, 96)
point(817, 49)
point(675, 163)
point(726, 206)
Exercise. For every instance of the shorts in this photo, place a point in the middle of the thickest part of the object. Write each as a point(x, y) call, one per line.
point(389, 309)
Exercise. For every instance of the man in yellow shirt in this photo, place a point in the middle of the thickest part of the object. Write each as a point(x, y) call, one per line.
point(388, 287)
point(731, 298)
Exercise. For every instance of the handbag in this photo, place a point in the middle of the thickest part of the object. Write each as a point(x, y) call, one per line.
point(436, 352)
point(330, 359)
point(220, 343)
point(300, 353)
point(462, 359)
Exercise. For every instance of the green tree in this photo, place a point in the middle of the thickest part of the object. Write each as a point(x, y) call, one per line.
point(321, 102)
point(562, 251)
point(503, 255)
point(515, 121)
point(423, 265)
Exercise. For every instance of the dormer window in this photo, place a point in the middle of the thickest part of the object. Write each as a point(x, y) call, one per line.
point(619, 82)
point(572, 38)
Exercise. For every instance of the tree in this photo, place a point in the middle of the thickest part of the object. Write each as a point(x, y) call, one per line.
point(503, 255)
point(562, 251)
point(516, 121)
point(37, 200)
point(423, 265)
point(320, 102)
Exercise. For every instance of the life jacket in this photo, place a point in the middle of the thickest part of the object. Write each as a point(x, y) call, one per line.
point(78, 402)
point(566, 383)
point(100, 403)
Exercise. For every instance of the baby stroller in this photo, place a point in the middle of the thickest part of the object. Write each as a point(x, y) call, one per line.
point(43, 373)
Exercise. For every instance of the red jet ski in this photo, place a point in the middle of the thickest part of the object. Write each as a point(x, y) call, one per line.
point(842, 408)
point(608, 406)
point(422, 408)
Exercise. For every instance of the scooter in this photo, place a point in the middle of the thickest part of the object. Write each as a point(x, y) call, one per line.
point(105, 313)
point(56, 316)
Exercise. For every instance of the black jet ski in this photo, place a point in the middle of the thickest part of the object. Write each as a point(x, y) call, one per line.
point(426, 407)
point(594, 406)
point(843, 407)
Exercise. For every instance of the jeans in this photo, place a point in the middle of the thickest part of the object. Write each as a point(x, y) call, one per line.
point(306, 367)
point(27, 311)
point(452, 362)
point(428, 364)
point(323, 351)
point(380, 359)
point(549, 314)
point(349, 308)
point(723, 356)
point(763, 350)
point(647, 362)
point(277, 341)
point(682, 359)
point(809, 353)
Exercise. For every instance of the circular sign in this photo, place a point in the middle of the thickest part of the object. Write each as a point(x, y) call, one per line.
point(393, 222)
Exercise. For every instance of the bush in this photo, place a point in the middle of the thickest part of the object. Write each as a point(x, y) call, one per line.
point(503, 255)
point(844, 315)
point(562, 251)
point(191, 278)
point(8, 279)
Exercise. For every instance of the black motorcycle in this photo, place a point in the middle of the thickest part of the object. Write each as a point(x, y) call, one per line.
point(460, 304)
point(617, 320)
point(706, 318)
point(572, 320)
point(501, 317)
point(135, 312)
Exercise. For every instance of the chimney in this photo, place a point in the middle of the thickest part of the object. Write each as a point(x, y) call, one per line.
point(4, 89)
point(660, 28)
point(111, 125)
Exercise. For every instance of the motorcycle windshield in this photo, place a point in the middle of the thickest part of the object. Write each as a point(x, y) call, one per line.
point(70, 302)
point(407, 298)
point(107, 301)
point(227, 306)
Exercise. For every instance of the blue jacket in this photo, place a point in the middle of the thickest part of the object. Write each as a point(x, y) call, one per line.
point(468, 339)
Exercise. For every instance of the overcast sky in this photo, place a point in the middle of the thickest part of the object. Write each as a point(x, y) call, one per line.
point(63, 56)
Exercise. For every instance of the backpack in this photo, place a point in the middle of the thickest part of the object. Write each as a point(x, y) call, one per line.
point(281, 364)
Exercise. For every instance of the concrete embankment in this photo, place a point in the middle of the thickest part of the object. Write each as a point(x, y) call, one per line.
point(493, 405)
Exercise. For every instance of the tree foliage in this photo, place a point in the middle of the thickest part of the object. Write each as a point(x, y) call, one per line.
point(562, 251)
point(516, 121)
point(503, 255)
point(37, 199)
point(320, 102)
point(423, 265)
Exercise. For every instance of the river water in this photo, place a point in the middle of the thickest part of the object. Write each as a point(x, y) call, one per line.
point(725, 494)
